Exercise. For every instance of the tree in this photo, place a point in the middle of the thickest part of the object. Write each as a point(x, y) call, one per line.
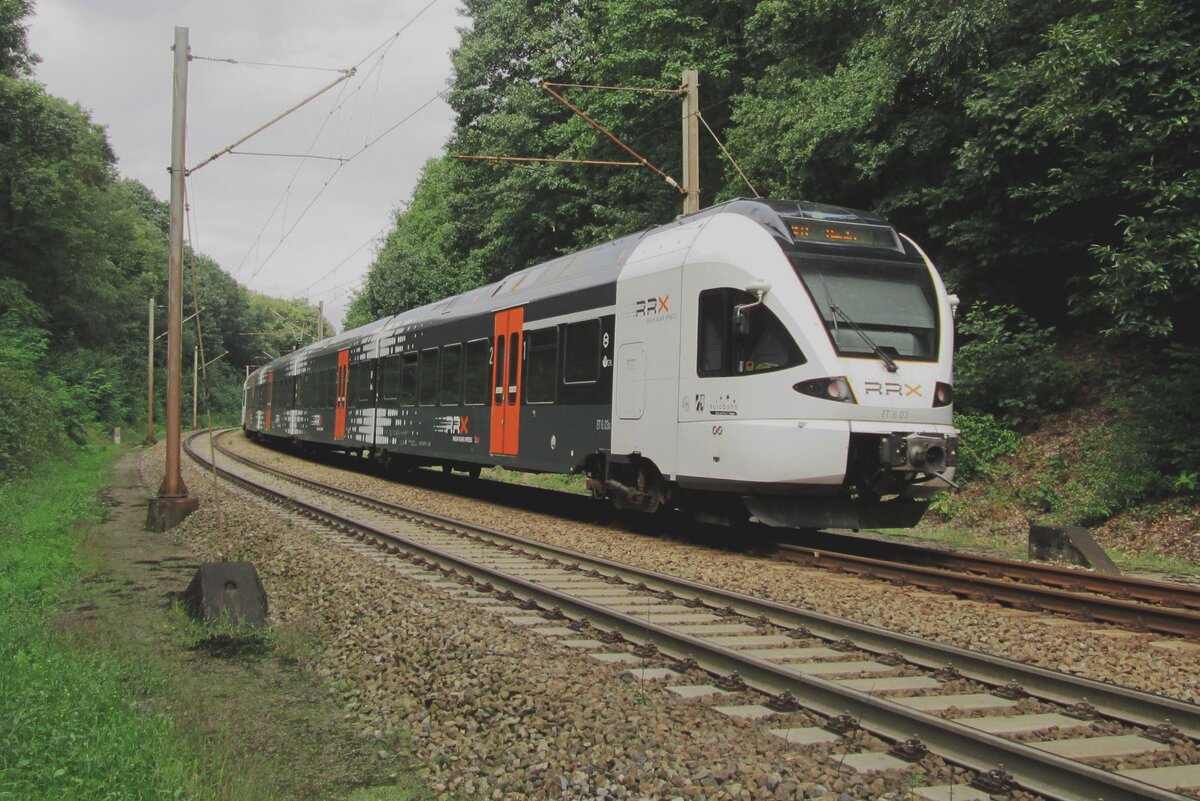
point(15, 59)
point(1095, 137)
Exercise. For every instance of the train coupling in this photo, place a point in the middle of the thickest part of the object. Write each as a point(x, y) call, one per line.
point(918, 453)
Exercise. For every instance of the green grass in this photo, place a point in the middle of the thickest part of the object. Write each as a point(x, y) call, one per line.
point(70, 722)
point(554, 481)
point(965, 538)
point(956, 537)
point(1154, 563)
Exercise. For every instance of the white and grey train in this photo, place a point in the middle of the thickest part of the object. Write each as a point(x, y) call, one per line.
point(787, 361)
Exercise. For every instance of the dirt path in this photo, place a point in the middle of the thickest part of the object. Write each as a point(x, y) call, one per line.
point(267, 728)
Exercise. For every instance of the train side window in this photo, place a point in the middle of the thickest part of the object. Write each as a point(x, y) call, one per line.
point(451, 375)
point(498, 375)
point(390, 379)
point(581, 352)
point(762, 343)
point(541, 366)
point(429, 376)
point(475, 373)
point(715, 328)
point(408, 379)
point(759, 343)
point(365, 390)
point(514, 365)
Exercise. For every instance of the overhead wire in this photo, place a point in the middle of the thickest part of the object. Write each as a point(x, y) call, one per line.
point(329, 180)
point(388, 41)
point(254, 246)
point(239, 62)
point(728, 155)
point(351, 255)
point(286, 230)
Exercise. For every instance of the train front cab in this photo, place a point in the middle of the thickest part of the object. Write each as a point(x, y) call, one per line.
point(754, 362)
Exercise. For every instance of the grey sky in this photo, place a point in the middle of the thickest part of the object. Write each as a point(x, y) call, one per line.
point(114, 58)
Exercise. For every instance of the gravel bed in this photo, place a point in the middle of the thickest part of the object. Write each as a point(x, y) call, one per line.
point(490, 710)
point(1099, 652)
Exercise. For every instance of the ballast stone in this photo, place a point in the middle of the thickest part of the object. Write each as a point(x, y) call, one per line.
point(227, 591)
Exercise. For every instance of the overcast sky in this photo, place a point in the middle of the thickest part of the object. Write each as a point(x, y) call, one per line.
point(114, 59)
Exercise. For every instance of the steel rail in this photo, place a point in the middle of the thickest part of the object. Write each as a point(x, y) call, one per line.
point(1122, 703)
point(1169, 620)
point(1075, 580)
point(1037, 770)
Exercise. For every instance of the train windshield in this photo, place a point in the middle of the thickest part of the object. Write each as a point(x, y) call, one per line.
point(871, 305)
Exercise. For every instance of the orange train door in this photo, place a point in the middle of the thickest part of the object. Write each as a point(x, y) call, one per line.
point(270, 387)
point(506, 382)
point(342, 380)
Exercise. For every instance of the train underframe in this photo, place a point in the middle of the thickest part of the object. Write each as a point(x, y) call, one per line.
point(880, 490)
point(887, 484)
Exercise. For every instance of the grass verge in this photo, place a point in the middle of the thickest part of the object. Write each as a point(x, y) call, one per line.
point(957, 538)
point(72, 726)
point(553, 481)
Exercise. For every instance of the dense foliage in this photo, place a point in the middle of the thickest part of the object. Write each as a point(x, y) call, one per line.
point(81, 251)
point(1007, 366)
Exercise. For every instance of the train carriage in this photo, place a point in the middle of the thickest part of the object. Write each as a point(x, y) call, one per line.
point(790, 361)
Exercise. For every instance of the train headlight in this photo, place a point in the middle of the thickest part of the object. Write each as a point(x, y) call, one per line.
point(836, 388)
point(943, 395)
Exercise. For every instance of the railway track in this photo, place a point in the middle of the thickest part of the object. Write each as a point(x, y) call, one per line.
point(1138, 604)
point(848, 675)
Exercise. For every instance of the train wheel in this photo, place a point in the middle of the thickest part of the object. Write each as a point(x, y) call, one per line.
point(474, 470)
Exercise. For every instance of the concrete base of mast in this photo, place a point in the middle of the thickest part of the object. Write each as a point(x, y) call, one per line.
point(167, 511)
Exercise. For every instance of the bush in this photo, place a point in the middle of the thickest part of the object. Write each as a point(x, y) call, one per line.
point(30, 425)
point(1110, 474)
point(1161, 409)
point(981, 442)
point(1006, 367)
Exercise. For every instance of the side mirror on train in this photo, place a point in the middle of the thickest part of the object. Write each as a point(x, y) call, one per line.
point(758, 287)
point(741, 320)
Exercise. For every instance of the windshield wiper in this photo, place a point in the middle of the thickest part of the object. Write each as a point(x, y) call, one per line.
point(888, 362)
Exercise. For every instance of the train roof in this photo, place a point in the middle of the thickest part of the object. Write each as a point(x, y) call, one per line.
point(592, 267)
point(602, 264)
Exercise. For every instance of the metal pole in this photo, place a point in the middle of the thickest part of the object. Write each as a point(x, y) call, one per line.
point(150, 377)
point(691, 141)
point(173, 503)
point(320, 320)
point(173, 485)
point(195, 380)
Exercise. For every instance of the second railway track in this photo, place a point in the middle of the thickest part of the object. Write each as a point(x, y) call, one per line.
point(785, 652)
point(1135, 603)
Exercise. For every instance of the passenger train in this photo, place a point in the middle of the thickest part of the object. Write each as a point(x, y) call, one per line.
point(785, 361)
